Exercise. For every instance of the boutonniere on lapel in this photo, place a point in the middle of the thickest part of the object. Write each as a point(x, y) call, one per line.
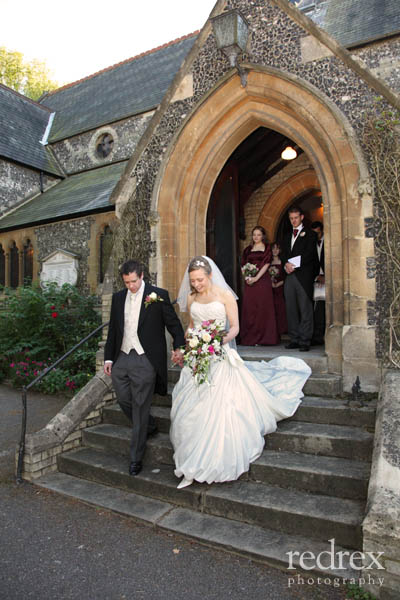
point(151, 298)
point(302, 234)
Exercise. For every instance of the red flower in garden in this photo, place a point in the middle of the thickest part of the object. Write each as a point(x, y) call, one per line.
point(54, 315)
point(52, 307)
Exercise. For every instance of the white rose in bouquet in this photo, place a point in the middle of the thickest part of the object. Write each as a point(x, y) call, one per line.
point(194, 342)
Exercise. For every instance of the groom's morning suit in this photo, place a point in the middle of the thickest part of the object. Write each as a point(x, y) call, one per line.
point(299, 285)
point(137, 346)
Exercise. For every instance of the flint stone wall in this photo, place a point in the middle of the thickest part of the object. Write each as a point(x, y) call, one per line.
point(78, 153)
point(18, 183)
point(72, 236)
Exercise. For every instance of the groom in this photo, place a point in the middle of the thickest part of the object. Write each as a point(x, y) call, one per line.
point(300, 259)
point(135, 353)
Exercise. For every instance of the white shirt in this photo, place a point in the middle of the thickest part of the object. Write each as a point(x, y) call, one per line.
point(319, 250)
point(299, 228)
point(133, 303)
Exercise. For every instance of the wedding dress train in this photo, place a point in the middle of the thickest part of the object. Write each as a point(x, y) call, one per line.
point(218, 429)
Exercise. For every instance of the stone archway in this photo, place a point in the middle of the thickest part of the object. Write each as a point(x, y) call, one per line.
point(210, 135)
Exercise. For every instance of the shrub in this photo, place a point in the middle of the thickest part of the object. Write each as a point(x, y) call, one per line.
point(38, 326)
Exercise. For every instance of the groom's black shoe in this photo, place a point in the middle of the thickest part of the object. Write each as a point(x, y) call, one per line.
point(304, 348)
point(135, 468)
point(292, 346)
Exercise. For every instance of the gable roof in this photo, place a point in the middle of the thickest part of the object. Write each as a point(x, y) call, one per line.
point(356, 22)
point(23, 124)
point(76, 195)
point(132, 87)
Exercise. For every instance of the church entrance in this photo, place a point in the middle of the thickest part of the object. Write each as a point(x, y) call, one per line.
point(191, 220)
point(240, 199)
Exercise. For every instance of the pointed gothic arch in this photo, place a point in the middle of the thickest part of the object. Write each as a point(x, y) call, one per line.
point(207, 139)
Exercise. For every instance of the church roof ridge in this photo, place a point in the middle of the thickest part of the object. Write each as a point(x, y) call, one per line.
point(122, 62)
point(26, 98)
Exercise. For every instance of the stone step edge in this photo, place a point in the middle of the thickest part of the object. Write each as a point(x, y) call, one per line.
point(163, 438)
point(308, 402)
point(341, 432)
point(349, 507)
point(234, 537)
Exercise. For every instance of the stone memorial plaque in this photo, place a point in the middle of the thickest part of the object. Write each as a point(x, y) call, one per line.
point(60, 267)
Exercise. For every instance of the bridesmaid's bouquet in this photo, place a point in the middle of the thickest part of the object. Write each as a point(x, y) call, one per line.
point(203, 344)
point(273, 272)
point(249, 270)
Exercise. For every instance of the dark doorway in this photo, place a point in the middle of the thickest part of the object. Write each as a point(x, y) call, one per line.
point(222, 225)
point(253, 163)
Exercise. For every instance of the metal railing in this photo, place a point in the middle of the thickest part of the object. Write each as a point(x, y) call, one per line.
point(25, 389)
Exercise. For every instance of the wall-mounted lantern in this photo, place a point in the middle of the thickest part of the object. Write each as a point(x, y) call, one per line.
point(231, 32)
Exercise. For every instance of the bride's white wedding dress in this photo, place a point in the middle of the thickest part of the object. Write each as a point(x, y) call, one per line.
point(217, 430)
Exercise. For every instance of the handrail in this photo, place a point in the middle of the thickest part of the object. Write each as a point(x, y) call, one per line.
point(43, 374)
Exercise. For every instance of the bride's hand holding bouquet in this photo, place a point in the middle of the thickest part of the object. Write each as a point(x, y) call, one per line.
point(203, 344)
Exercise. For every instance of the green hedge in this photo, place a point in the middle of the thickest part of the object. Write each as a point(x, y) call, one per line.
point(38, 326)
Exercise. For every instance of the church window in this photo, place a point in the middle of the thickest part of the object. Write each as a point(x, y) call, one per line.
point(14, 266)
point(2, 267)
point(28, 262)
point(104, 145)
point(106, 241)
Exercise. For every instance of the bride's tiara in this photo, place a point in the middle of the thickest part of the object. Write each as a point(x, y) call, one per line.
point(199, 263)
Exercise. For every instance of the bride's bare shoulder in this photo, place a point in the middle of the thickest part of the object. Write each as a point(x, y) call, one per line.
point(190, 298)
point(218, 291)
point(222, 294)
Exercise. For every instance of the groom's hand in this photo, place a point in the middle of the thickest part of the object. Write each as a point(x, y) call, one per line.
point(177, 357)
point(107, 368)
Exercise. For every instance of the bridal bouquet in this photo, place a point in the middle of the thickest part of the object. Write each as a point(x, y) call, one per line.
point(249, 270)
point(203, 344)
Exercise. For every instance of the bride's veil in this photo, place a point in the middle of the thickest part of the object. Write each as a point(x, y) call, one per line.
point(217, 278)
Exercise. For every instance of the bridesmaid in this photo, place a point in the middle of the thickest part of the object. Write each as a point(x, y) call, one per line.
point(258, 323)
point(277, 275)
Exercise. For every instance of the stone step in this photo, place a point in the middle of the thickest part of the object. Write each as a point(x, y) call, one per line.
point(280, 509)
point(335, 412)
point(328, 475)
point(251, 541)
point(292, 436)
point(311, 410)
point(316, 358)
point(318, 384)
point(339, 477)
point(324, 439)
point(116, 439)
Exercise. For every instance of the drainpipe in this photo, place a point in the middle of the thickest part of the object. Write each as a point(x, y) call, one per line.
point(41, 182)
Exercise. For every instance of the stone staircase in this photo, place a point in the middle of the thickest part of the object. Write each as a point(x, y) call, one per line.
point(309, 485)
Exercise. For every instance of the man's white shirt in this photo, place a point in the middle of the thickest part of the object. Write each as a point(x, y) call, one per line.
point(319, 250)
point(132, 307)
point(133, 303)
point(299, 228)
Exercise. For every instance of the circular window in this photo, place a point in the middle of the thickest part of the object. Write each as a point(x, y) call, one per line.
point(104, 145)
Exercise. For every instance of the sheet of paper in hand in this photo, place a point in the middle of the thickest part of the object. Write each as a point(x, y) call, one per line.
point(295, 261)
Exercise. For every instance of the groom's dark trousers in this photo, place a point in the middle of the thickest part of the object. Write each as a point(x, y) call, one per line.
point(134, 379)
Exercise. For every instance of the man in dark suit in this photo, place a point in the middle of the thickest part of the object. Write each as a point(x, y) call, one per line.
point(135, 353)
point(300, 259)
point(319, 305)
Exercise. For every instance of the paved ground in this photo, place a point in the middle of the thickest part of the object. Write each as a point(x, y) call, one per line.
point(54, 548)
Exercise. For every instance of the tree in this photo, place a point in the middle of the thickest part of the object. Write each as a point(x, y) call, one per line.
point(29, 78)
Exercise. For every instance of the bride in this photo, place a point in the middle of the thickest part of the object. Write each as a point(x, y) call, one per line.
point(218, 429)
